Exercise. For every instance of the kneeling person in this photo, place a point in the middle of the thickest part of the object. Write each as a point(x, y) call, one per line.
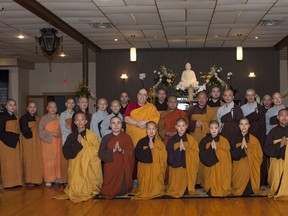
point(215, 155)
point(117, 153)
point(183, 161)
point(152, 158)
point(85, 174)
point(247, 158)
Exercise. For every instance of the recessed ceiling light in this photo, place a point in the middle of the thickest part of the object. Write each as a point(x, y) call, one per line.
point(62, 54)
point(270, 22)
point(116, 39)
point(239, 34)
point(133, 36)
point(256, 38)
point(216, 36)
point(21, 36)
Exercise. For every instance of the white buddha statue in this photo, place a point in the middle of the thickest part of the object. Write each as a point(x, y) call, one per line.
point(188, 78)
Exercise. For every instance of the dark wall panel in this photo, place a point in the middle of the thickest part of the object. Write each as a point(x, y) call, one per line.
point(111, 64)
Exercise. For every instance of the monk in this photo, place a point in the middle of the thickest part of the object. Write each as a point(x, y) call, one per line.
point(183, 162)
point(229, 116)
point(85, 173)
point(276, 148)
point(136, 116)
point(255, 113)
point(161, 103)
point(65, 127)
point(267, 102)
point(168, 119)
point(10, 159)
point(247, 158)
point(152, 158)
point(215, 155)
point(272, 113)
point(31, 146)
point(124, 101)
point(50, 135)
point(98, 117)
point(83, 108)
point(199, 116)
point(117, 153)
point(215, 98)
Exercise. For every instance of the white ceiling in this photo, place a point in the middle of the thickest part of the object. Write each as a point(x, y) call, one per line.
point(146, 24)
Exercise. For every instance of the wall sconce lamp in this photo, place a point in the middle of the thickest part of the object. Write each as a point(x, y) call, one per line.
point(252, 75)
point(133, 54)
point(124, 76)
point(239, 53)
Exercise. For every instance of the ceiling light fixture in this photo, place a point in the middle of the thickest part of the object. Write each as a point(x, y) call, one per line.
point(49, 43)
point(62, 54)
point(252, 75)
point(256, 38)
point(116, 39)
point(133, 54)
point(124, 76)
point(21, 36)
point(239, 53)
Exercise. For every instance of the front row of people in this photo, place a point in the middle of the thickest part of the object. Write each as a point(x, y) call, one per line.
point(229, 168)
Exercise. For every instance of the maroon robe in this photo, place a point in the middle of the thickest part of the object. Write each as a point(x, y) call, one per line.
point(118, 166)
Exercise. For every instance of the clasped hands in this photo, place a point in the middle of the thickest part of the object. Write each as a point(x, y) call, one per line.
point(283, 142)
point(117, 148)
point(213, 144)
point(182, 146)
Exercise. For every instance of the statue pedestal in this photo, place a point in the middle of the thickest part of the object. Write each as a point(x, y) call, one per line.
point(190, 95)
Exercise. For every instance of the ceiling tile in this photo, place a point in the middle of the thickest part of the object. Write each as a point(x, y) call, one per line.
point(172, 15)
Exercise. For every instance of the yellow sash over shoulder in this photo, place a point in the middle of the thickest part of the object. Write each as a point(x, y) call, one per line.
point(148, 112)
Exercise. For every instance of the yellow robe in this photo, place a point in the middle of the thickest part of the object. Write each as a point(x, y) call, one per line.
point(151, 175)
point(248, 168)
point(84, 173)
point(217, 178)
point(278, 168)
point(180, 178)
point(200, 133)
point(148, 112)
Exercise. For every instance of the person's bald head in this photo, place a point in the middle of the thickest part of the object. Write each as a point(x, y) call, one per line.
point(277, 99)
point(172, 103)
point(250, 95)
point(267, 101)
point(52, 107)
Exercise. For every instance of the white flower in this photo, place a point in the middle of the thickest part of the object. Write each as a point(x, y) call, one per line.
point(142, 76)
point(158, 73)
point(154, 71)
point(228, 77)
point(168, 80)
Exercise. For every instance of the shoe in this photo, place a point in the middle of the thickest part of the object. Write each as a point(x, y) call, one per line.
point(48, 184)
point(31, 185)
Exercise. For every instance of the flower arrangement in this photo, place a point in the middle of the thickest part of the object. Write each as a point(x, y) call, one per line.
point(85, 91)
point(142, 77)
point(165, 77)
point(212, 79)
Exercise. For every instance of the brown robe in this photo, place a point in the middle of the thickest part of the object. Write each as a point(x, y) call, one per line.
point(31, 149)
point(168, 121)
point(231, 124)
point(118, 166)
point(10, 156)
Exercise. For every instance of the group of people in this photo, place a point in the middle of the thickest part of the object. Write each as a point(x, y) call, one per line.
point(148, 150)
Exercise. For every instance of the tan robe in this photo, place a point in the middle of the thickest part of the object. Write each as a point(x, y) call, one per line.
point(248, 168)
point(51, 148)
point(32, 155)
point(10, 159)
point(180, 178)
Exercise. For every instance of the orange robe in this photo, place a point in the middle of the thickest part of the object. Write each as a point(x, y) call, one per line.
point(10, 156)
point(32, 155)
point(147, 113)
point(51, 148)
point(183, 165)
point(168, 121)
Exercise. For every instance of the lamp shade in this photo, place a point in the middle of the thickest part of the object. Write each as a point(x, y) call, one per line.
point(133, 54)
point(239, 53)
point(48, 41)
